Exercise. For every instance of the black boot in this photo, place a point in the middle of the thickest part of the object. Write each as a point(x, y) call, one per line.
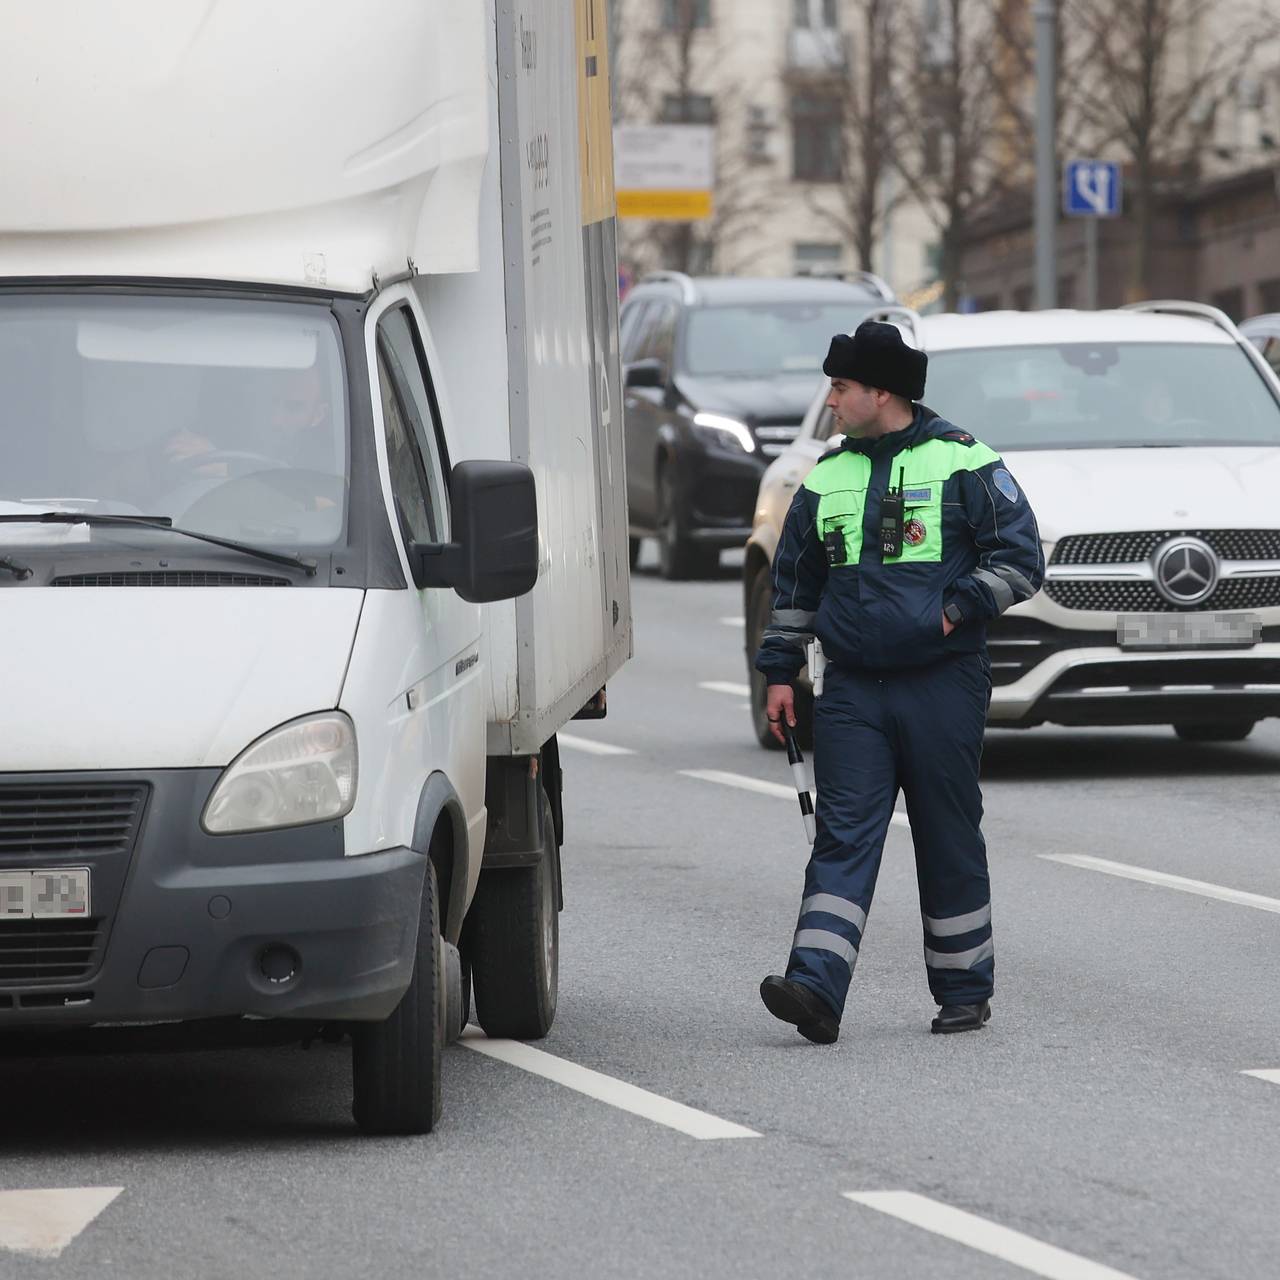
point(961, 1017)
point(793, 1002)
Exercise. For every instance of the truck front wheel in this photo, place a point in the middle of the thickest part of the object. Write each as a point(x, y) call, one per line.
point(512, 941)
point(396, 1063)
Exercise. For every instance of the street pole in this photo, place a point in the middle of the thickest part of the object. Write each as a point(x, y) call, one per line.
point(1046, 208)
point(1091, 264)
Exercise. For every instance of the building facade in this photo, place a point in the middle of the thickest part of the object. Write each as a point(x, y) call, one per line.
point(769, 75)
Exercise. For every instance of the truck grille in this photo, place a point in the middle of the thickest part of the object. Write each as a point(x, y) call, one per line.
point(1130, 548)
point(1142, 597)
point(165, 578)
point(67, 821)
point(35, 950)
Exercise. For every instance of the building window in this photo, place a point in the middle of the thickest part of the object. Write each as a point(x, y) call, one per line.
point(688, 108)
point(684, 15)
point(817, 15)
point(1231, 301)
point(1269, 295)
point(815, 138)
point(811, 259)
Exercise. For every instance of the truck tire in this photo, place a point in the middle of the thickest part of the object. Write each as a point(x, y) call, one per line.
point(395, 1065)
point(679, 556)
point(1221, 731)
point(513, 944)
point(758, 610)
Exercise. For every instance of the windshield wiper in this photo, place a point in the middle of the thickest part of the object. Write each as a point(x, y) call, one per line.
point(19, 571)
point(160, 522)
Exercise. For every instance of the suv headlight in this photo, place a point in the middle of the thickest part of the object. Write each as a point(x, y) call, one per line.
point(727, 429)
point(303, 771)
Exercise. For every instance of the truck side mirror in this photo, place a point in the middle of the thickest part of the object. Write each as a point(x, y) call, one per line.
point(646, 373)
point(494, 554)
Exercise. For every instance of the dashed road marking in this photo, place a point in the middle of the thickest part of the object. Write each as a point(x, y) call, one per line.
point(733, 622)
point(987, 1237)
point(776, 789)
point(726, 686)
point(42, 1223)
point(1166, 881)
point(1269, 1074)
point(617, 1093)
point(591, 746)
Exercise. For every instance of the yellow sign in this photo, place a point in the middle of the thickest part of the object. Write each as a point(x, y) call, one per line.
point(595, 131)
point(669, 206)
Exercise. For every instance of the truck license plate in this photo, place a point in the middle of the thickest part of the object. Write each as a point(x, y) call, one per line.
point(1188, 630)
point(44, 894)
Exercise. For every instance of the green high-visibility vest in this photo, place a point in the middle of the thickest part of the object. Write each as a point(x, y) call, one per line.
point(841, 481)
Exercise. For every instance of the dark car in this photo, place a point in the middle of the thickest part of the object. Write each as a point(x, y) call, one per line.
point(718, 373)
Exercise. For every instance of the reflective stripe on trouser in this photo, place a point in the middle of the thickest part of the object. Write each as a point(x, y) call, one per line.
point(918, 730)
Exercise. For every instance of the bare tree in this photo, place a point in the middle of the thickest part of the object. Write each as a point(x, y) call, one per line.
point(1157, 71)
point(870, 128)
point(953, 95)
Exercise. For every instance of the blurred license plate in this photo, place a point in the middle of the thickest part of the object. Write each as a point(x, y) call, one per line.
point(44, 894)
point(1188, 630)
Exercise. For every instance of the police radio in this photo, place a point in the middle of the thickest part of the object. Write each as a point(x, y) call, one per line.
point(892, 513)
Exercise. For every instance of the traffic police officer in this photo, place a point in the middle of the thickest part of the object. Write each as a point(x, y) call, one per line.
point(900, 545)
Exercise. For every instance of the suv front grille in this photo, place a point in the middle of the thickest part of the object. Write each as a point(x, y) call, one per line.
point(35, 950)
point(1142, 597)
point(67, 821)
point(1130, 548)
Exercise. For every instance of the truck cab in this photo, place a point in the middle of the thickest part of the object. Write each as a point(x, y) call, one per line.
point(278, 541)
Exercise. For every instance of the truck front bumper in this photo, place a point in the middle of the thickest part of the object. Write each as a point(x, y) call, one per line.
point(183, 925)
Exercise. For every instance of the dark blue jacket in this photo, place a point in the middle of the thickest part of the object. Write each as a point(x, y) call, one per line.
point(970, 539)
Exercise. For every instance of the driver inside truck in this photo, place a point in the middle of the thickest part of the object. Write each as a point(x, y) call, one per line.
point(296, 430)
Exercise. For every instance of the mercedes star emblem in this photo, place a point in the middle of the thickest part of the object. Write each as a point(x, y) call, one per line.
point(1186, 571)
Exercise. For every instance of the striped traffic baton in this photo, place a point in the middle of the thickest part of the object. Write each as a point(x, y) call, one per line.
point(802, 781)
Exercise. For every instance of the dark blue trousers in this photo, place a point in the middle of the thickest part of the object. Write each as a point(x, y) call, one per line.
point(919, 731)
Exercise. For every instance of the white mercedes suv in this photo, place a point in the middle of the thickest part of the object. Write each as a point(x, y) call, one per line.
point(1148, 440)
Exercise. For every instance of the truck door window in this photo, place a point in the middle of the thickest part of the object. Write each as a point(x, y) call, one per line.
point(409, 484)
point(402, 350)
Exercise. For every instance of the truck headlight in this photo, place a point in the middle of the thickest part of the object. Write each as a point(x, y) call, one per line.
point(303, 771)
point(727, 429)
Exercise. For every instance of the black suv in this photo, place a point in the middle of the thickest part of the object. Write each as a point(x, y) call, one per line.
point(718, 373)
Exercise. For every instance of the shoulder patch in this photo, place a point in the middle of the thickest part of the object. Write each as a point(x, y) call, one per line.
point(1004, 482)
point(960, 437)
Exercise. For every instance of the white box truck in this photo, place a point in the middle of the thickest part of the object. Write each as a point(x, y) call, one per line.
point(300, 306)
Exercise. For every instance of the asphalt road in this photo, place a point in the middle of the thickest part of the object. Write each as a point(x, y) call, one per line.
point(1103, 1113)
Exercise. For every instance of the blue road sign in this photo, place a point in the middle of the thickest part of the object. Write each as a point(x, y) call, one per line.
point(1091, 189)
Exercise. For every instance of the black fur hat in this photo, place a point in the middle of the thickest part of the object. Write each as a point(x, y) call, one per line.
point(876, 356)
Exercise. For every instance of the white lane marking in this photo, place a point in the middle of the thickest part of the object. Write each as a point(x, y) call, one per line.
point(591, 746)
point(617, 1093)
point(1181, 883)
point(43, 1223)
point(987, 1237)
point(733, 622)
point(1269, 1074)
point(726, 686)
point(776, 789)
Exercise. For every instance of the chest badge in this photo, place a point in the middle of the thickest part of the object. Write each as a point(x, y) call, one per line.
point(914, 532)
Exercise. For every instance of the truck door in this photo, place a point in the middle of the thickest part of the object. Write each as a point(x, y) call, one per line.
point(450, 694)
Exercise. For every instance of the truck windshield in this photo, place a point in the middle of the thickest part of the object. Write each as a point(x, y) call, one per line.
point(227, 416)
point(1105, 396)
point(765, 340)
